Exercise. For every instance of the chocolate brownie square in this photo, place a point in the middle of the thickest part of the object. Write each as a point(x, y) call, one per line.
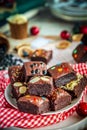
point(42, 55)
point(76, 87)
point(80, 53)
point(33, 68)
point(15, 73)
point(34, 104)
point(59, 99)
point(19, 89)
point(62, 74)
point(40, 85)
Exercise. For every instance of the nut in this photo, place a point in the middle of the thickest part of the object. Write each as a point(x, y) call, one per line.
point(45, 78)
point(22, 90)
point(17, 84)
point(35, 79)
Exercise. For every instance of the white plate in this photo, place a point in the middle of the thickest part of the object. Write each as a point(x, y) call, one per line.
point(12, 102)
point(9, 97)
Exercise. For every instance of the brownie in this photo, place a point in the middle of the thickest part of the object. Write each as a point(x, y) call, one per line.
point(40, 85)
point(19, 89)
point(34, 104)
point(62, 74)
point(42, 55)
point(80, 53)
point(76, 87)
point(33, 68)
point(59, 99)
point(15, 73)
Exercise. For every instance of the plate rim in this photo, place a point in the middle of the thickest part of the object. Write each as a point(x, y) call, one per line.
point(6, 94)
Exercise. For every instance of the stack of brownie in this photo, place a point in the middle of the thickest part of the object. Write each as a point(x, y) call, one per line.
point(66, 78)
point(39, 90)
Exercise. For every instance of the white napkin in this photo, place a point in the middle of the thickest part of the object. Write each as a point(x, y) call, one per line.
point(39, 42)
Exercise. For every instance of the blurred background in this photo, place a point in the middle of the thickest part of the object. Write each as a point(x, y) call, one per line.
point(11, 7)
point(70, 10)
point(48, 23)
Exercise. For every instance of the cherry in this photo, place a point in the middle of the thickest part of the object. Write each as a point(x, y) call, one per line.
point(65, 34)
point(82, 109)
point(83, 29)
point(34, 30)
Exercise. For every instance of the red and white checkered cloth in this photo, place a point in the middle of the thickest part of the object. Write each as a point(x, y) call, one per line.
point(13, 117)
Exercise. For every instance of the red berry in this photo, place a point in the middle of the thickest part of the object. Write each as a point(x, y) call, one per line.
point(83, 29)
point(82, 109)
point(65, 34)
point(34, 30)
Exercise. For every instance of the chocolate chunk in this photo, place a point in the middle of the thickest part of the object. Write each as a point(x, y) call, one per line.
point(36, 71)
point(44, 72)
point(32, 71)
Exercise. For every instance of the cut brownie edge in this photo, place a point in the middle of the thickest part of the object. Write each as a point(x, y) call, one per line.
point(39, 59)
point(40, 85)
point(79, 89)
point(31, 109)
point(40, 90)
point(65, 79)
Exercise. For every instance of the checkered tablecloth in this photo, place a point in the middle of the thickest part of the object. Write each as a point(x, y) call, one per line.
point(13, 117)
